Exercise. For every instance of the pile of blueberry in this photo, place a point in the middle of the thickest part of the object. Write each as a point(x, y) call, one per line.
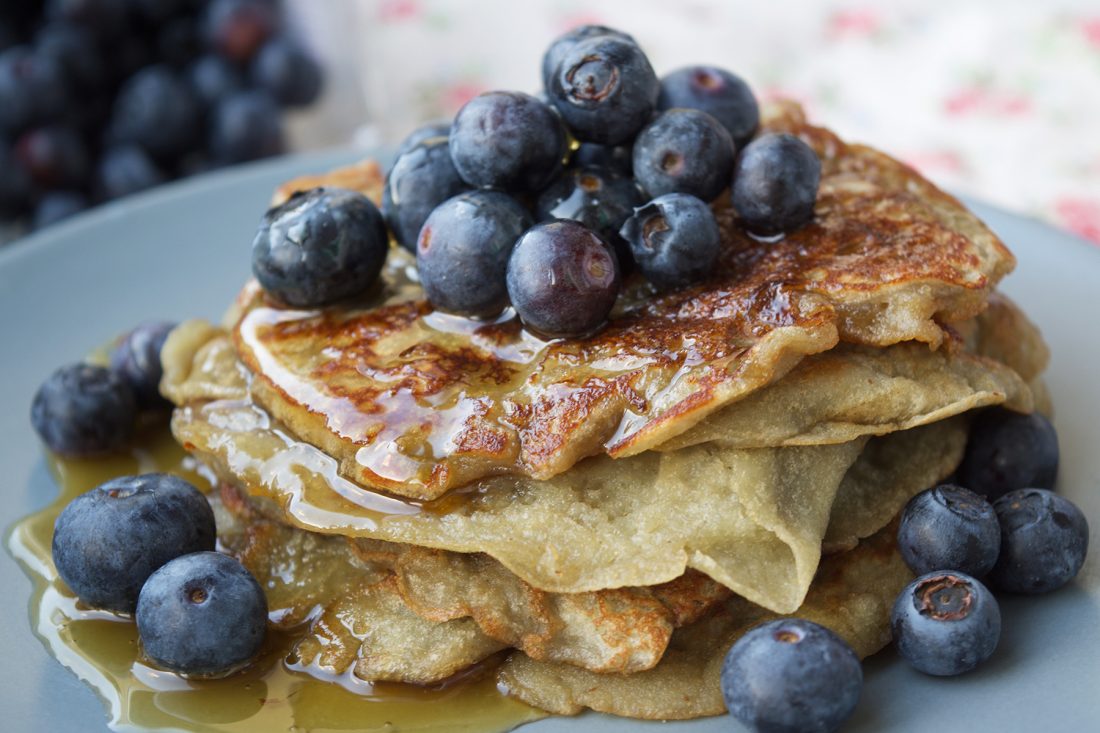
point(144, 545)
point(545, 203)
point(1008, 527)
point(103, 98)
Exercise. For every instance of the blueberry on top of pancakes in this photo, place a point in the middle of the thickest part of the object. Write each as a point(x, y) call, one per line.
point(320, 247)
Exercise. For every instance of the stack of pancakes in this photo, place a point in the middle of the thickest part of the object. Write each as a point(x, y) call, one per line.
point(419, 492)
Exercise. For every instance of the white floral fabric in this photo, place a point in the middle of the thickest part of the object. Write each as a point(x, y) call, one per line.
point(996, 99)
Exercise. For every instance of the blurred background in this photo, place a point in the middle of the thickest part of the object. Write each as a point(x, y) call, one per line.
point(102, 98)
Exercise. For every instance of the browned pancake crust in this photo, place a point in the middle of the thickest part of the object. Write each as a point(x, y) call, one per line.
point(417, 402)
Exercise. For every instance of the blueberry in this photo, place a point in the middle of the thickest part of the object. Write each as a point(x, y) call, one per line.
point(108, 541)
point(723, 95)
point(137, 359)
point(83, 410)
point(616, 158)
point(125, 170)
point(598, 198)
point(563, 279)
point(1009, 451)
point(605, 90)
point(674, 239)
point(246, 126)
point(564, 43)
point(427, 131)
point(684, 151)
point(319, 247)
point(15, 184)
point(32, 88)
point(54, 156)
point(775, 184)
point(462, 252)
point(1044, 540)
point(288, 72)
point(157, 110)
point(75, 51)
point(945, 623)
point(213, 79)
point(57, 206)
point(421, 179)
point(238, 28)
point(791, 675)
point(507, 140)
point(202, 615)
point(949, 528)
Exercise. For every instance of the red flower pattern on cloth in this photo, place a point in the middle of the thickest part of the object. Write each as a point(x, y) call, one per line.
point(1091, 29)
point(1081, 216)
point(861, 22)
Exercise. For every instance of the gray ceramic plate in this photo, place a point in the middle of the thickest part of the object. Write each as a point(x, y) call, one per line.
point(183, 251)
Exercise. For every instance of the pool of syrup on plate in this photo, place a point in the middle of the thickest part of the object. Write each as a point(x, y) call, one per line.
point(102, 649)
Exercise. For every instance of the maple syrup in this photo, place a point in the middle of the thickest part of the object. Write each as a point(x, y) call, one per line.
point(271, 695)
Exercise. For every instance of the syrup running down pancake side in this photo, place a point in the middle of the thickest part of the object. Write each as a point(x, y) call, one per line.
point(103, 648)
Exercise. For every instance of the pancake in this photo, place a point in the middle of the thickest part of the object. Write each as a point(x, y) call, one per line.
point(365, 597)
point(751, 519)
point(852, 595)
point(852, 391)
point(370, 629)
point(417, 402)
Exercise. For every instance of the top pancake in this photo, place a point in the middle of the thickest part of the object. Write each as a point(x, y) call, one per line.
point(418, 402)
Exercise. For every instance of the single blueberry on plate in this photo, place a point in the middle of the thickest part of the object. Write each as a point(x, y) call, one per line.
point(599, 198)
point(57, 206)
point(1008, 451)
point(775, 182)
point(949, 528)
point(718, 92)
point(507, 140)
point(616, 158)
point(84, 410)
point(427, 131)
point(791, 675)
point(157, 110)
point(674, 240)
point(421, 179)
point(319, 247)
point(202, 615)
point(108, 541)
point(605, 90)
point(288, 72)
point(463, 250)
point(564, 43)
point(945, 623)
point(684, 151)
point(1044, 540)
point(137, 359)
point(563, 279)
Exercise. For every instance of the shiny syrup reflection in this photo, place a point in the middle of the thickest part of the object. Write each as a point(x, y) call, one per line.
point(102, 649)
